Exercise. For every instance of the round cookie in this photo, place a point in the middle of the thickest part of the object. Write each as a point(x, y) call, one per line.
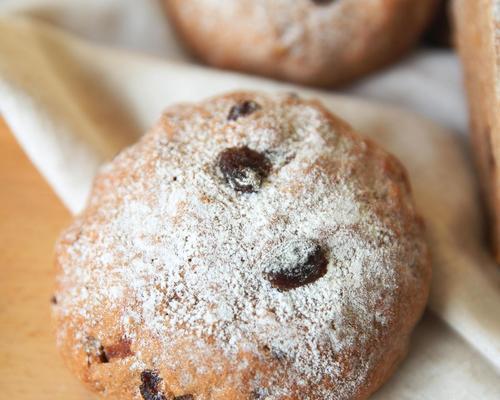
point(313, 42)
point(249, 247)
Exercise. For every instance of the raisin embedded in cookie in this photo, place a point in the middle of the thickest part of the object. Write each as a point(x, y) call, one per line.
point(243, 169)
point(297, 263)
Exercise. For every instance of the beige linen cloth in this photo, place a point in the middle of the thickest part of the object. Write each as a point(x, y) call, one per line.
point(72, 105)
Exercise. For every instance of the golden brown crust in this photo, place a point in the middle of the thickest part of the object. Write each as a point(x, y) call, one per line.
point(163, 282)
point(299, 40)
point(478, 38)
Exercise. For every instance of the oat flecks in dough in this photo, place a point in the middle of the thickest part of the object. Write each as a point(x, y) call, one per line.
point(179, 268)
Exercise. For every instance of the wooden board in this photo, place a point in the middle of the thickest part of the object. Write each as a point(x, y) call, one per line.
point(31, 217)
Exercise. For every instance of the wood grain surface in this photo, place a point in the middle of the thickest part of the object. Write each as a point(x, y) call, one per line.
point(31, 217)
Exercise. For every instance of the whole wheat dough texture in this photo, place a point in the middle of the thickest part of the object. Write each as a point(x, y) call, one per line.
point(249, 247)
point(312, 42)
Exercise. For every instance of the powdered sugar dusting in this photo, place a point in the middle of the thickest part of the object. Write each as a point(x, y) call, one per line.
point(171, 252)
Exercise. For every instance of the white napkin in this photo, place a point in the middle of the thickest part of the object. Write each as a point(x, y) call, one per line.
point(72, 106)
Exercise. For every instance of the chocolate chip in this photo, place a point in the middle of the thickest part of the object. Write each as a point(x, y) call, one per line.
point(244, 169)
point(53, 300)
point(242, 109)
point(184, 397)
point(296, 264)
point(150, 386)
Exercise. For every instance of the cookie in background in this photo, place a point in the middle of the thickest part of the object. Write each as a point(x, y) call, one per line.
point(478, 38)
point(322, 43)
